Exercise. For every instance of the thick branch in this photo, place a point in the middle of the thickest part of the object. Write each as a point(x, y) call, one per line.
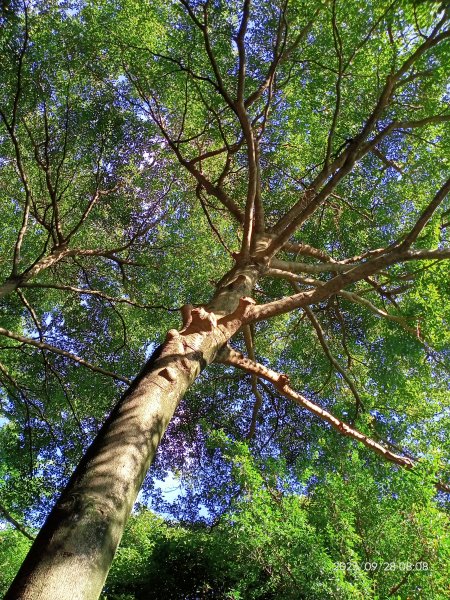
point(297, 267)
point(307, 250)
point(281, 382)
point(333, 286)
point(357, 148)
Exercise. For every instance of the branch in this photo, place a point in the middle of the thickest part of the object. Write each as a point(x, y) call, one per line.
point(301, 35)
point(69, 355)
point(229, 356)
point(253, 185)
point(354, 151)
point(307, 250)
point(275, 60)
point(192, 14)
point(394, 589)
point(386, 161)
point(338, 49)
point(296, 267)
point(426, 215)
point(351, 296)
point(333, 286)
point(23, 396)
point(45, 166)
point(432, 120)
point(8, 516)
point(377, 311)
point(293, 278)
point(92, 202)
point(11, 127)
point(321, 337)
point(248, 338)
point(426, 254)
point(208, 218)
point(62, 251)
point(180, 65)
point(240, 42)
point(14, 282)
point(203, 27)
point(247, 237)
point(32, 312)
point(97, 293)
point(216, 191)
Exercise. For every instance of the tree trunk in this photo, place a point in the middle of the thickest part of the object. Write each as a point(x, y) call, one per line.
point(72, 553)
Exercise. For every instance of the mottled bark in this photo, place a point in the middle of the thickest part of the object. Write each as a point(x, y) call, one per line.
point(72, 553)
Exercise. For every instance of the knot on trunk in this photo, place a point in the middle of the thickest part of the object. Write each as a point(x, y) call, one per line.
point(197, 320)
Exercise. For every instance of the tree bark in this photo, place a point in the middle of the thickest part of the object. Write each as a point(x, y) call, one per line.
point(72, 553)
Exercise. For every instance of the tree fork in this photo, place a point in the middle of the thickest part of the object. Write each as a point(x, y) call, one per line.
point(72, 553)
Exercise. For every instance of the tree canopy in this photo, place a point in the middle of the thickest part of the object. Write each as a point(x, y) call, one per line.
point(251, 199)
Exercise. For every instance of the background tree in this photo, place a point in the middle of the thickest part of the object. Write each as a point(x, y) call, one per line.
point(281, 168)
point(340, 542)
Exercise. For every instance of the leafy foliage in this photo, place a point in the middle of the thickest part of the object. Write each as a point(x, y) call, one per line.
point(140, 162)
point(348, 538)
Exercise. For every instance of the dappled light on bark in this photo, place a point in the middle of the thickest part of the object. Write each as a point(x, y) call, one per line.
point(274, 175)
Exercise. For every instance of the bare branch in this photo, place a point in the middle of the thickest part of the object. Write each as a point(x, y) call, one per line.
point(248, 339)
point(321, 337)
point(69, 355)
point(20, 528)
point(426, 215)
point(333, 286)
point(240, 42)
point(98, 294)
point(281, 382)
